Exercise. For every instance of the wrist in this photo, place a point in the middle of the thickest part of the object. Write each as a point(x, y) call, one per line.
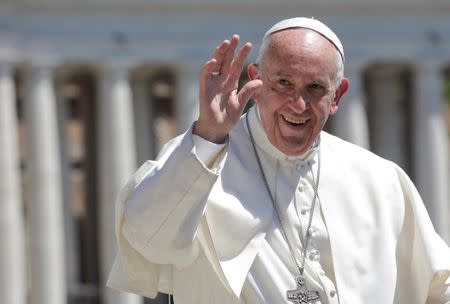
point(209, 134)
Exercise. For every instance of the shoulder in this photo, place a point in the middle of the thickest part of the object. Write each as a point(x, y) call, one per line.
point(350, 153)
point(359, 164)
point(376, 182)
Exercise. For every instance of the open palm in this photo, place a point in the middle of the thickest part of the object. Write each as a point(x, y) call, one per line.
point(221, 105)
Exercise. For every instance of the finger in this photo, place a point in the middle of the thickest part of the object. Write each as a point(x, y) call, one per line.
point(237, 65)
point(228, 58)
point(208, 68)
point(239, 61)
point(221, 49)
point(205, 72)
point(247, 91)
point(220, 53)
point(205, 75)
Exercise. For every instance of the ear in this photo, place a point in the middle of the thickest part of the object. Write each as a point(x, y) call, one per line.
point(253, 73)
point(340, 91)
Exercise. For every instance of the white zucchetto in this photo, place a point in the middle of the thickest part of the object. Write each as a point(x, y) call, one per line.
point(309, 23)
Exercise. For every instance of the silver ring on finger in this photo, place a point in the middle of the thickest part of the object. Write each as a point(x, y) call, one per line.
point(215, 74)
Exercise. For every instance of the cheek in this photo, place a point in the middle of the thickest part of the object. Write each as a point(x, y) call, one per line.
point(327, 106)
point(267, 102)
point(269, 112)
point(322, 111)
point(275, 101)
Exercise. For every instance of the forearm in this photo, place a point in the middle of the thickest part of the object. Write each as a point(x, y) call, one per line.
point(162, 214)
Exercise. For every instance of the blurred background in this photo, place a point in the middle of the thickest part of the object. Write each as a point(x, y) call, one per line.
point(89, 89)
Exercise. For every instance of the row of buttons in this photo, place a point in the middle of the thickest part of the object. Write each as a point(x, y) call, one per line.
point(332, 292)
point(313, 255)
point(302, 187)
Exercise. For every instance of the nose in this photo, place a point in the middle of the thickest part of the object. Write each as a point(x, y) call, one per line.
point(299, 103)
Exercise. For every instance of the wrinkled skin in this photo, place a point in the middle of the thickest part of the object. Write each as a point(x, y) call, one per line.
point(299, 89)
point(295, 89)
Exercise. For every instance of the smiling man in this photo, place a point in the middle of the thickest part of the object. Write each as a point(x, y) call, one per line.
point(301, 87)
point(267, 207)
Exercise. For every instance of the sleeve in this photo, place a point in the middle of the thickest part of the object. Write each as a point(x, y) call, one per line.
point(422, 252)
point(207, 151)
point(158, 213)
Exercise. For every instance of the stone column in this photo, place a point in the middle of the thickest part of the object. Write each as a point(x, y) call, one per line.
point(143, 114)
point(71, 235)
point(350, 122)
point(117, 161)
point(45, 206)
point(12, 238)
point(431, 147)
point(388, 114)
point(187, 96)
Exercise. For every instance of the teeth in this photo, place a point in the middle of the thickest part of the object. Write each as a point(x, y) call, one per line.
point(293, 120)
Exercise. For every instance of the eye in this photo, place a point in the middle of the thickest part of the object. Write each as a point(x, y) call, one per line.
point(283, 85)
point(283, 82)
point(316, 86)
point(317, 89)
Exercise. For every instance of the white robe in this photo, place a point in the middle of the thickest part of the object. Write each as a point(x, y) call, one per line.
point(196, 231)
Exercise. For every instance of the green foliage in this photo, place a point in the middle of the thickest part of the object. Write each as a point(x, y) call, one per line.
point(242, 81)
point(447, 92)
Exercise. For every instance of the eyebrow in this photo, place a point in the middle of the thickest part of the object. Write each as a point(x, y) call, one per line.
point(281, 74)
point(321, 82)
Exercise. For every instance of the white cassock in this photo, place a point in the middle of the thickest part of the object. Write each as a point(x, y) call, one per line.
point(199, 224)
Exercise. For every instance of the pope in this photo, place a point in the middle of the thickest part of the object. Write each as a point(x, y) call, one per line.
point(266, 207)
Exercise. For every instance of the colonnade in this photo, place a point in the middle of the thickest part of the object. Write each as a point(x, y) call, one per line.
point(121, 121)
point(117, 161)
point(431, 146)
point(12, 236)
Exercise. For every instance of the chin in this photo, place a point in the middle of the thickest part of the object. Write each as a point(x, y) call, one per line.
point(290, 145)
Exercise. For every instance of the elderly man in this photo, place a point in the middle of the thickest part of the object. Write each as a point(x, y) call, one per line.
point(267, 207)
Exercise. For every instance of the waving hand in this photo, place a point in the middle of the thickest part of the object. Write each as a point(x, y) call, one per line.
point(221, 105)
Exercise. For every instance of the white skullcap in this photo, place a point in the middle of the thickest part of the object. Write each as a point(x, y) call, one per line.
point(309, 23)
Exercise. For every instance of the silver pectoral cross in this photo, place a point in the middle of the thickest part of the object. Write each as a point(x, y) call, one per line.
point(302, 295)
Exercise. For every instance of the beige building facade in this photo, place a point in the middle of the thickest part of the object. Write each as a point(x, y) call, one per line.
point(91, 89)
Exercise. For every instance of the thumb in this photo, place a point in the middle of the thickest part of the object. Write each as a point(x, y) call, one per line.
point(247, 91)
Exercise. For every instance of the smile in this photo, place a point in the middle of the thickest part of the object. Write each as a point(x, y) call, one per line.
point(293, 120)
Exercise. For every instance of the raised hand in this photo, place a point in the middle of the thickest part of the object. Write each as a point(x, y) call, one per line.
point(221, 105)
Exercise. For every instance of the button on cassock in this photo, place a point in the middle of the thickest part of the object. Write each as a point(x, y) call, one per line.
point(299, 166)
point(312, 230)
point(314, 255)
point(302, 186)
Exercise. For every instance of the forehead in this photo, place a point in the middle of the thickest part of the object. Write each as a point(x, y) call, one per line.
point(300, 51)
